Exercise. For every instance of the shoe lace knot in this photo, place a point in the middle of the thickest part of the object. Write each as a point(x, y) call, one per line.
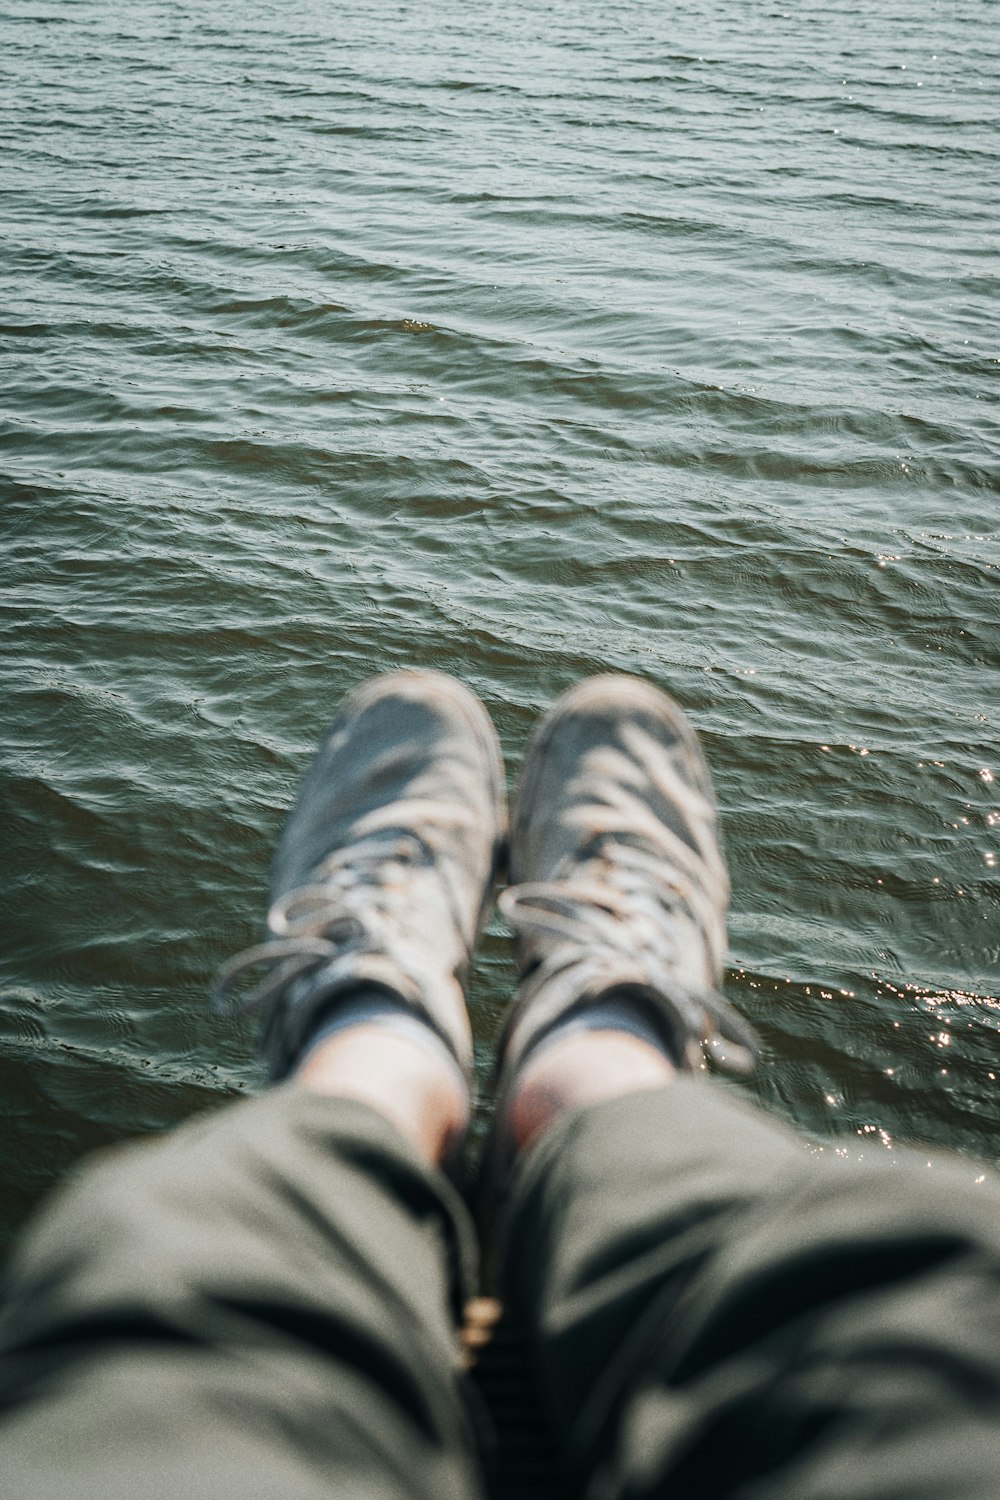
point(627, 903)
point(355, 898)
point(620, 906)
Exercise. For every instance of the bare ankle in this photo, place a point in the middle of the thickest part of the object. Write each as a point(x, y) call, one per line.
point(418, 1092)
point(583, 1068)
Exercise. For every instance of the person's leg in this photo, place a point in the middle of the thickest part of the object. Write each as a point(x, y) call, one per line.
point(265, 1302)
point(713, 1311)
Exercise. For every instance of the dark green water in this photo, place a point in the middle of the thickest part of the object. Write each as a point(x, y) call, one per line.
point(522, 341)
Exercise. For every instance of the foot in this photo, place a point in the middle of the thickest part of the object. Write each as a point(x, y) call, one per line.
point(385, 870)
point(619, 897)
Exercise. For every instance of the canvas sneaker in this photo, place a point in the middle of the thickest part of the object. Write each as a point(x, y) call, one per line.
point(619, 886)
point(385, 870)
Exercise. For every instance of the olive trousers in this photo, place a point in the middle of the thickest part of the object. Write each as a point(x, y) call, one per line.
point(265, 1303)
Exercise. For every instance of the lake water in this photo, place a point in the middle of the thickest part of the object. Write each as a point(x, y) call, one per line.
point(524, 341)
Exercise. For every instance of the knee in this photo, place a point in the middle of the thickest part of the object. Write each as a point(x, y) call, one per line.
point(106, 1236)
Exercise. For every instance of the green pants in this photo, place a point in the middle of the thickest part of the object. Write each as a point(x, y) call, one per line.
point(264, 1304)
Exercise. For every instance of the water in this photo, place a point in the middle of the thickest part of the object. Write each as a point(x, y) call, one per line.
point(522, 341)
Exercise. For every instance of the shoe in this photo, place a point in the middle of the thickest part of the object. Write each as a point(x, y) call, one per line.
point(619, 887)
point(386, 867)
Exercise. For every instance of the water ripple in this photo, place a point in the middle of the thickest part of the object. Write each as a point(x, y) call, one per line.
point(522, 343)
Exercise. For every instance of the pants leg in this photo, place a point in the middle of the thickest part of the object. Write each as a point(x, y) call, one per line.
point(261, 1304)
point(718, 1312)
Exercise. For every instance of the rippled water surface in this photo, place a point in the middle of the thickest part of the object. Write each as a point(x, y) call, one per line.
point(523, 341)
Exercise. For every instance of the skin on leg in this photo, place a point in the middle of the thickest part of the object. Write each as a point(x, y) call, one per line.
point(581, 1069)
point(419, 1093)
point(425, 1099)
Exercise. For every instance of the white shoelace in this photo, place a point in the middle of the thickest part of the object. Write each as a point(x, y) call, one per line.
point(313, 924)
point(631, 910)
